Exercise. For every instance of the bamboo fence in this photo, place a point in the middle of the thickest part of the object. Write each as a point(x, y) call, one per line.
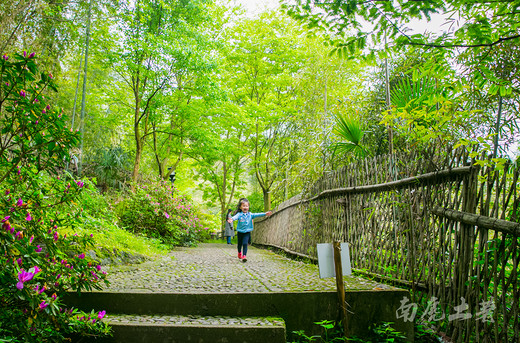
point(439, 224)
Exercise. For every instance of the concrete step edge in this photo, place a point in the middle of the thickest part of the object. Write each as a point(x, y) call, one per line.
point(193, 320)
point(199, 329)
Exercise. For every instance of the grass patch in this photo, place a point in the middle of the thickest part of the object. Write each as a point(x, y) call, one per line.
point(110, 236)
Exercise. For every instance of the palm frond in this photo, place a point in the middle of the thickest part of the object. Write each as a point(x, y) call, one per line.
point(350, 130)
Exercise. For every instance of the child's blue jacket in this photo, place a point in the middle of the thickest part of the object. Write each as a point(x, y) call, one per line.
point(245, 220)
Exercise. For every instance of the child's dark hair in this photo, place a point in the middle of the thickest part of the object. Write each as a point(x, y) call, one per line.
point(240, 202)
point(228, 212)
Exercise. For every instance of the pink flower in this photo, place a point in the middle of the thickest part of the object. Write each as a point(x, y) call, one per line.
point(22, 93)
point(5, 219)
point(98, 267)
point(56, 236)
point(23, 277)
point(24, 53)
point(101, 314)
point(19, 202)
point(43, 305)
point(38, 249)
point(81, 256)
point(31, 239)
point(5, 57)
point(166, 215)
point(32, 54)
point(28, 217)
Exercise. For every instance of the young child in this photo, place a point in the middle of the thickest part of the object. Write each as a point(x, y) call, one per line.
point(244, 226)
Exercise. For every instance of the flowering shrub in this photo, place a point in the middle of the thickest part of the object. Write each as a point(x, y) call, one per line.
point(156, 209)
point(38, 264)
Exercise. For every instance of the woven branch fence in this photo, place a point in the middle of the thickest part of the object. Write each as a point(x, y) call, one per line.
point(439, 224)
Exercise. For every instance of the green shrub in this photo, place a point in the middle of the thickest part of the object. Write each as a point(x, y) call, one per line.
point(156, 209)
point(98, 216)
point(38, 264)
point(110, 166)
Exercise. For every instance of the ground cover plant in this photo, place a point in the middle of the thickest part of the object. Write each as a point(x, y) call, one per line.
point(378, 333)
point(38, 263)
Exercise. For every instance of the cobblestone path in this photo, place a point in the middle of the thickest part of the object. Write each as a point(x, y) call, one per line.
point(214, 267)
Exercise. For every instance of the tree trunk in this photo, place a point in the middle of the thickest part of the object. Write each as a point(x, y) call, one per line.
point(497, 127)
point(267, 199)
point(137, 161)
point(387, 96)
point(76, 93)
point(138, 141)
point(83, 98)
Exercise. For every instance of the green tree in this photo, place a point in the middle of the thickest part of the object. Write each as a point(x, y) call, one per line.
point(221, 156)
point(475, 24)
point(179, 112)
point(468, 46)
point(154, 35)
point(263, 59)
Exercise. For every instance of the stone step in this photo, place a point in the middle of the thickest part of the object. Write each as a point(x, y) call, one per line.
point(193, 328)
point(299, 310)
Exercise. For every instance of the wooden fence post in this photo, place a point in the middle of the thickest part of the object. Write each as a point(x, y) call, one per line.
point(340, 285)
point(466, 240)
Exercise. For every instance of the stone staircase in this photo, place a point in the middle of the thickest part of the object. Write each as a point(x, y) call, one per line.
point(206, 294)
point(186, 317)
point(235, 317)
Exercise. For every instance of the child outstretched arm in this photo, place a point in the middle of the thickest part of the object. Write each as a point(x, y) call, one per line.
point(267, 214)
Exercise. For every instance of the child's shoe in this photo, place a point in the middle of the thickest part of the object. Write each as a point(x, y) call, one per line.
point(244, 258)
point(240, 255)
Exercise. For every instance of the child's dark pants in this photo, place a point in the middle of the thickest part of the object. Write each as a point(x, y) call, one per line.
point(242, 241)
